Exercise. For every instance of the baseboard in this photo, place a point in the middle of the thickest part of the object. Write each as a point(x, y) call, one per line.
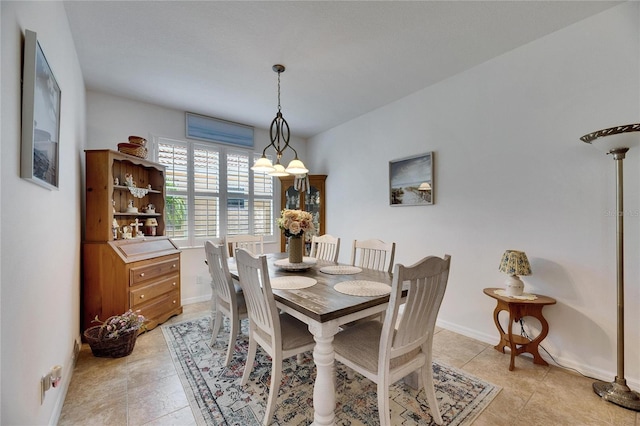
point(197, 299)
point(60, 393)
point(562, 362)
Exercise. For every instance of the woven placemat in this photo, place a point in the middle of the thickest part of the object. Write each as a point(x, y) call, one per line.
point(340, 270)
point(363, 288)
point(292, 282)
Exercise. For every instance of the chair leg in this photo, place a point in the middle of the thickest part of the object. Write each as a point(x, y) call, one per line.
point(383, 403)
point(217, 322)
point(274, 387)
point(251, 357)
point(430, 392)
point(233, 334)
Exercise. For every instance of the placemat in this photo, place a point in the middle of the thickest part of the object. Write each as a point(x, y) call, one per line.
point(524, 296)
point(292, 283)
point(363, 288)
point(340, 270)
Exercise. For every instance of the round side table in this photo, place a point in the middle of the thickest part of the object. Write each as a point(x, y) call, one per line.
point(519, 308)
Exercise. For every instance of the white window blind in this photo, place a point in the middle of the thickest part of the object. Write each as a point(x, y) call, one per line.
point(212, 192)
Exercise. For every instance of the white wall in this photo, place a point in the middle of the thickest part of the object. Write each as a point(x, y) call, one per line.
point(111, 119)
point(511, 173)
point(40, 229)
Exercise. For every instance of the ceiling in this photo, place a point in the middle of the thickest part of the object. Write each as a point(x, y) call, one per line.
point(343, 59)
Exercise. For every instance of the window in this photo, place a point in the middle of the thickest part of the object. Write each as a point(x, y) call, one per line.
point(212, 192)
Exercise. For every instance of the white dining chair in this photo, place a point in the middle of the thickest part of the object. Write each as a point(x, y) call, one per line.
point(373, 254)
point(227, 297)
point(253, 243)
point(279, 334)
point(325, 247)
point(384, 353)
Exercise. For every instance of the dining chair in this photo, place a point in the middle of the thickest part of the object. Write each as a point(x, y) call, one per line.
point(279, 334)
point(253, 243)
point(384, 352)
point(325, 247)
point(373, 254)
point(227, 296)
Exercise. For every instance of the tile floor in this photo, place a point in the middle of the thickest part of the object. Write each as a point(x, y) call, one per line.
point(144, 389)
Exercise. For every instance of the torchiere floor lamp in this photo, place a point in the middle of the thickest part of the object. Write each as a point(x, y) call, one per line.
point(617, 141)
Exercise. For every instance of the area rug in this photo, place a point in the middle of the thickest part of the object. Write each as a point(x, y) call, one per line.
point(217, 398)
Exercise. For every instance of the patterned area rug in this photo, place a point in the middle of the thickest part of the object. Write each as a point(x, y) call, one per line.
point(217, 398)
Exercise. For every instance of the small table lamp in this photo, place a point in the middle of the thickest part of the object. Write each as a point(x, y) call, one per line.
point(514, 263)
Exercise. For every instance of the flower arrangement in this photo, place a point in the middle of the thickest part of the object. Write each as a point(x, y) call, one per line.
point(295, 222)
point(118, 325)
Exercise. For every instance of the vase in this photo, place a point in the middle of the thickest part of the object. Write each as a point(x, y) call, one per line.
point(296, 246)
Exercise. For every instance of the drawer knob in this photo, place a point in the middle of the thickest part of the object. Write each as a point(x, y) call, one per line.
point(142, 274)
point(174, 302)
point(173, 266)
point(174, 284)
point(142, 296)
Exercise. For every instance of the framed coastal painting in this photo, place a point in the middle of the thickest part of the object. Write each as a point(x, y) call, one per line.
point(39, 155)
point(215, 130)
point(411, 180)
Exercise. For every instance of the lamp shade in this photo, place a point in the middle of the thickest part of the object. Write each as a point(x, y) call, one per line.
point(607, 140)
point(515, 263)
point(424, 186)
point(278, 170)
point(263, 165)
point(296, 167)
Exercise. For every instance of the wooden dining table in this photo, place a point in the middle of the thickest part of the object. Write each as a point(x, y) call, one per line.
point(324, 310)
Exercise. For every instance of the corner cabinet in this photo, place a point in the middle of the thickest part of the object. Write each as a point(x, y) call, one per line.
point(138, 272)
point(312, 201)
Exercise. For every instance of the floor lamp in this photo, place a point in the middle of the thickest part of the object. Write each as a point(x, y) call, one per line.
point(617, 141)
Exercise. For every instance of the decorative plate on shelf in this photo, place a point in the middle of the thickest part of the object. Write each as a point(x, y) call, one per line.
point(307, 262)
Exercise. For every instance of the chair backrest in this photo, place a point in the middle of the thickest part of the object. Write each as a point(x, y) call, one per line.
point(325, 247)
point(256, 287)
point(373, 254)
point(426, 282)
point(221, 281)
point(253, 243)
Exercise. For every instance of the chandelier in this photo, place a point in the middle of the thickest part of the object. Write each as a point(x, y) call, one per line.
point(279, 135)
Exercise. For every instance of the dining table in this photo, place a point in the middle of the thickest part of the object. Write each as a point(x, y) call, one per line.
point(363, 292)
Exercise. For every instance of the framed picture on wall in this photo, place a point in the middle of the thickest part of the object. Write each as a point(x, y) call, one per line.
point(39, 156)
point(411, 180)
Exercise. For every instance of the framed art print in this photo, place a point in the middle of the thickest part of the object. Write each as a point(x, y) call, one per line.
point(39, 156)
point(411, 180)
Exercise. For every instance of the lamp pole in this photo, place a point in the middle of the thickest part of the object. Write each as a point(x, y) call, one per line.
point(617, 391)
point(616, 141)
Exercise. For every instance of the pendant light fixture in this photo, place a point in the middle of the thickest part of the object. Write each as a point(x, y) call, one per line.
point(280, 142)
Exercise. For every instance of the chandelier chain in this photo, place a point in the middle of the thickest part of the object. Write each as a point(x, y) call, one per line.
point(279, 109)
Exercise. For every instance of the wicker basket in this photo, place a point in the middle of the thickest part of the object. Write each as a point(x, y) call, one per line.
point(110, 348)
point(133, 149)
point(138, 140)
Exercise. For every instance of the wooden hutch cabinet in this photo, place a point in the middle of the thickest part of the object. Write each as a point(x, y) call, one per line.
point(138, 273)
point(312, 201)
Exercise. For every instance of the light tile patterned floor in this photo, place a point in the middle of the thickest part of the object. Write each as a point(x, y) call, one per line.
point(143, 388)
